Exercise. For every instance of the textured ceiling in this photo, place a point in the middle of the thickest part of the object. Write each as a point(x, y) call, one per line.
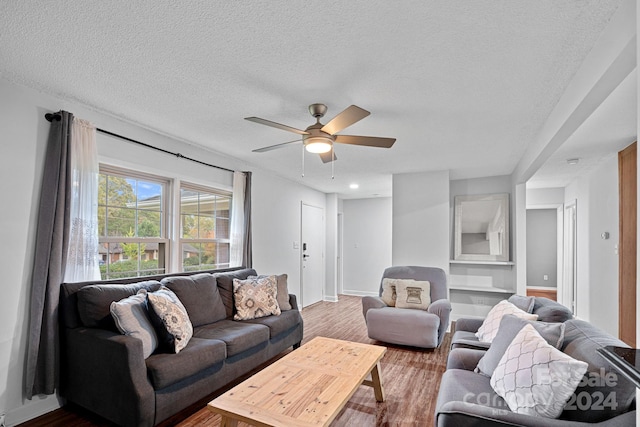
point(463, 86)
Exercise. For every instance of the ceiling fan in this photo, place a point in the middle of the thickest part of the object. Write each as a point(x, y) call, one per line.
point(319, 138)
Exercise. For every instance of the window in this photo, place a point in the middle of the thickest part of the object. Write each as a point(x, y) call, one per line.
point(204, 223)
point(132, 222)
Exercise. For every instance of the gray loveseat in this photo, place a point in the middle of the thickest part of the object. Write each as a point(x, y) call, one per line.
point(106, 372)
point(606, 398)
point(546, 309)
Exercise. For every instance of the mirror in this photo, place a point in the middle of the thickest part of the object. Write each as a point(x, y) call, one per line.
point(481, 227)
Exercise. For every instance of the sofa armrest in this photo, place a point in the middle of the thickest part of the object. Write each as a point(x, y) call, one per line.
point(369, 302)
point(464, 358)
point(468, 324)
point(293, 301)
point(106, 373)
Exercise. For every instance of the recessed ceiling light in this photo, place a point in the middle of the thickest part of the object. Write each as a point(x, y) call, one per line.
point(354, 186)
point(573, 161)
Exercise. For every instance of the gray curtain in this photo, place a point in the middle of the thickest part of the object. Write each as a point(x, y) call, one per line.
point(247, 255)
point(49, 260)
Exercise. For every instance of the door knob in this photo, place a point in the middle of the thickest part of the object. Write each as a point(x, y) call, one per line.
point(305, 256)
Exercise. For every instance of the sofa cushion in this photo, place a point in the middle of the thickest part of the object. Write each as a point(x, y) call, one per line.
point(94, 302)
point(167, 369)
point(255, 298)
point(510, 325)
point(413, 294)
point(174, 316)
point(278, 324)
point(225, 286)
point(132, 318)
point(551, 311)
point(200, 296)
point(491, 323)
point(581, 341)
point(283, 291)
point(535, 378)
point(459, 385)
point(524, 303)
point(238, 336)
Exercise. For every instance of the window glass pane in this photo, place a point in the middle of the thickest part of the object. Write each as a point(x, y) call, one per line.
point(189, 226)
point(188, 202)
point(222, 228)
point(120, 191)
point(149, 195)
point(118, 260)
point(149, 223)
point(206, 227)
point(121, 222)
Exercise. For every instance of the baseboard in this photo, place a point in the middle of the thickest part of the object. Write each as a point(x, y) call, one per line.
point(330, 299)
point(34, 408)
point(360, 293)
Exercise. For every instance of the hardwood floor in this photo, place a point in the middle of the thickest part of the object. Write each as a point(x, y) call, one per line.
point(411, 379)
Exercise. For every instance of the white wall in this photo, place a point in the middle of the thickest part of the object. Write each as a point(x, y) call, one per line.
point(545, 196)
point(421, 219)
point(331, 258)
point(367, 244)
point(276, 214)
point(597, 262)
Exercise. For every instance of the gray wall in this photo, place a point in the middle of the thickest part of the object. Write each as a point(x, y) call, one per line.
point(542, 247)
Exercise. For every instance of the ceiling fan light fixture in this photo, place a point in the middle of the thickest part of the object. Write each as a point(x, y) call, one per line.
point(318, 144)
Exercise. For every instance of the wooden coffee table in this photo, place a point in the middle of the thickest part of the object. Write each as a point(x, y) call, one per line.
point(307, 387)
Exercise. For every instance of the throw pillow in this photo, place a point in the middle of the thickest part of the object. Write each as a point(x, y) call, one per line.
point(510, 325)
point(255, 298)
point(174, 316)
point(534, 378)
point(413, 294)
point(389, 291)
point(131, 318)
point(200, 296)
point(522, 302)
point(283, 291)
point(491, 323)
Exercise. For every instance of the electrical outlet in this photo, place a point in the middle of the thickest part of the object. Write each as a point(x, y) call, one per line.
point(480, 301)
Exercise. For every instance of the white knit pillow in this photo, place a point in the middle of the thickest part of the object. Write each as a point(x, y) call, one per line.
point(489, 327)
point(535, 378)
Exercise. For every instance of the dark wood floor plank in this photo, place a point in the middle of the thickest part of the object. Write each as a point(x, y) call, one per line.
point(411, 379)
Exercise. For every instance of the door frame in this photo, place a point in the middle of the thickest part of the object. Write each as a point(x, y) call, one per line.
point(559, 207)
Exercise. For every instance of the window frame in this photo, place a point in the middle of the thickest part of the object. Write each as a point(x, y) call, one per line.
point(164, 242)
point(189, 186)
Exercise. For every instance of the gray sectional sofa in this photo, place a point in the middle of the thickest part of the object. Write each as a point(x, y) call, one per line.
point(604, 398)
point(105, 371)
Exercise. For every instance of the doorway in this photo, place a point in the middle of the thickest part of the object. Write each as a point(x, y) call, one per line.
point(569, 293)
point(544, 251)
point(312, 254)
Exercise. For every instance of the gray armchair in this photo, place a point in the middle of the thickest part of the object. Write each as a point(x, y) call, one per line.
point(412, 327)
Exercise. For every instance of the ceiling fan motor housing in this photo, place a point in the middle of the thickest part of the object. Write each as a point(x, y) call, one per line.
point(317, 110)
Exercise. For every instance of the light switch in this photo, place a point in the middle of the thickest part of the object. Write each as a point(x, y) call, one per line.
point(545, 277)
point(296, 245)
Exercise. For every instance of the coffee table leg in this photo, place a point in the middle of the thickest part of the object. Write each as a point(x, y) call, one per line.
point(378, 390)
point(228, 422)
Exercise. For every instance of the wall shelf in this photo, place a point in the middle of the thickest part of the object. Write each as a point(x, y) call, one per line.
point(454, 261)
point(481, 289)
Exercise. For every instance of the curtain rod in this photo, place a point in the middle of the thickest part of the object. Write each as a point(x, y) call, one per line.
point(55, 116)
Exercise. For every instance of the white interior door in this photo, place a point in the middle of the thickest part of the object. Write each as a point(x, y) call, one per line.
point(312, 254)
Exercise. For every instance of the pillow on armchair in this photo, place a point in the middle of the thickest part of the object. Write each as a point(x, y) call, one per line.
point(413, 294)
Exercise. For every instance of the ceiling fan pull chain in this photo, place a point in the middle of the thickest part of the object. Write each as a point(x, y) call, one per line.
point(332, 162)
point(303, 161)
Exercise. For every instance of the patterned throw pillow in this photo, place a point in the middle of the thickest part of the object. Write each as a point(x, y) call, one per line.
point(535, 378)
point(413, 294)
point(389, 291)
point(283, 291)
point(255, 298)
point(131, 318)
point(174, 316)
point(490, 325)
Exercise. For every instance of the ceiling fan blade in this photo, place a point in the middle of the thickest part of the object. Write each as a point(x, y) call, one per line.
point(274, 147)
point(369, 141)
point(326, 157)
point(276, 125)
point(349, 116)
